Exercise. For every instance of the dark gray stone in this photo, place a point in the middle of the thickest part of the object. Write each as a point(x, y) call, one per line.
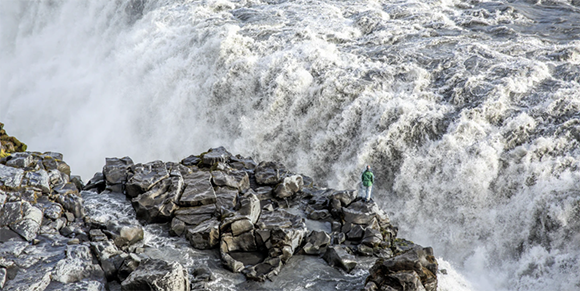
point(417, 268)
point(144, 177)
point(191, 161)
point(160, 202)
point(97, 182)
point(154, 275)
point(72, 203)
point(198, 190)
point(235, 179)
point(316, 242)
point(20, 160)
point(77, 181)
point(289, 186)
point(241, 163)
point(130, 264)
point(339, 256)
point(204, 236)
point(38, 180)
point(356, 232)
point(30, 223)
point(53, 211)
point(10, 177)
point(216, 155)
point(226, 198)
point(76, 266)
point(267, 173)
point(115, 173)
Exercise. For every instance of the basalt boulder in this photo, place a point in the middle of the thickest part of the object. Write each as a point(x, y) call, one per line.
point(155, 275)
point(414, 270)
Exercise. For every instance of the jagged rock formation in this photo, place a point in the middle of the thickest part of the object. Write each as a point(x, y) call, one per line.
point(253, 213)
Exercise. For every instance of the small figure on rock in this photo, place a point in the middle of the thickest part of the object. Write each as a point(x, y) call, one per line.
point(368, 178)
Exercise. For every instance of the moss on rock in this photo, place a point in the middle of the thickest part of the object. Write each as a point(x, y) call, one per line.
point(9, 144)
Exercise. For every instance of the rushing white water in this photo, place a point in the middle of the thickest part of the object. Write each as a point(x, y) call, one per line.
point(468, 111)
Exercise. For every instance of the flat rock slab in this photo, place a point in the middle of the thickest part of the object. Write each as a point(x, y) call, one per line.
point(198, 190)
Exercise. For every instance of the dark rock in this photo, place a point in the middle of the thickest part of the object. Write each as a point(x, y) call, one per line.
point(38, 180)
point(289, 186)
point(359, 213)
point(364, 250)
point(417, 269)
point(316, 243)
point(264, 270)
point(10, 177)
point(267, 173)
point(318, 214)
point(204, 236)
point(203, 274)
point(97, 182)
point(72, 203)
point(28, 226)
point(66, 189)
point(372, 237)
point(198, 190)
point(191, 161)
point(339, 256)
point(144, 177)
point(129, 235)
point(115, 173)
point(216, 155)
point(78, 182)
point(53, 211)
point(244, 242)
point(240, 163)
point(159, 203)
point(97, 235)
point(20, 160)
point(356, 232)
point(338, 238)
point(240, 226)
point(250, 207)
point(10, 213)
point(346, 197)
point(3, 275)
point(153, 274)
point(77, 265)
point(177, 227)
point(226, 199)
point(235, 179)
point(130, 264)
point(7, 234)
point(54, 155)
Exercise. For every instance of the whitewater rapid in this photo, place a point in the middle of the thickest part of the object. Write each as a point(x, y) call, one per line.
point(468, 111)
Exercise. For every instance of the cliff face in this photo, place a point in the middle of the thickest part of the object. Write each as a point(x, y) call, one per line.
point(254, 214)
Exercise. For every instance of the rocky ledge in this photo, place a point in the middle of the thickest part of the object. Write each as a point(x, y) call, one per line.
point(254, 213)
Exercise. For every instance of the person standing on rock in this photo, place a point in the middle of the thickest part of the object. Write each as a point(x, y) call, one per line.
point(368, 178)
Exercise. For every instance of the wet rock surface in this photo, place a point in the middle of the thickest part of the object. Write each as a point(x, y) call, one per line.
point(255, 217)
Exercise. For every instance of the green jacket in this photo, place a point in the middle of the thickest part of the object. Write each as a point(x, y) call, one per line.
point(368, 178)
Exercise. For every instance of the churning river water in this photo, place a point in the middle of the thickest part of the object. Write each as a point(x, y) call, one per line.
point(468, 111)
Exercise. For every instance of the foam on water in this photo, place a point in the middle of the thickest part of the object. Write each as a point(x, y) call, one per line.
point(467, 110)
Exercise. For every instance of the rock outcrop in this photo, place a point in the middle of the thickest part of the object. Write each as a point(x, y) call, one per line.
point(255, 215)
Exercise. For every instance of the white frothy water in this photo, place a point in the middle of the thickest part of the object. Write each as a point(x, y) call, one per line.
point(467, 111)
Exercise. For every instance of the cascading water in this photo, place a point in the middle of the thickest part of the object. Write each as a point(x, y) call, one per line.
point(467, 110)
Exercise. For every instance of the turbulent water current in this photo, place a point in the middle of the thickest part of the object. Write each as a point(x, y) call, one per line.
point(468, 111)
